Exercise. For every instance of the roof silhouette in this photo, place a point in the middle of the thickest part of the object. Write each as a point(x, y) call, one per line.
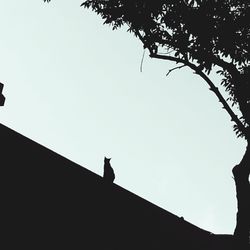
point(52, 202)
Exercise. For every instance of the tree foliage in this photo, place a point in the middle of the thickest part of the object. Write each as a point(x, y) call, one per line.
point(200, 34)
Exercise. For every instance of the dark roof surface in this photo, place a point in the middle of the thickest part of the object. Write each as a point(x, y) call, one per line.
point(51, 202)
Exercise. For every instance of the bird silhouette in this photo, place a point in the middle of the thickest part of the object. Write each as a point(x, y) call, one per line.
point(108, 173)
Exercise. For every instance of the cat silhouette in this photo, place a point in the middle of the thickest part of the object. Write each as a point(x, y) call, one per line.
point(108, 173)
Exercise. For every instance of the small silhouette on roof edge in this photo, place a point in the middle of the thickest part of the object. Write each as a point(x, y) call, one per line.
point(108, 172)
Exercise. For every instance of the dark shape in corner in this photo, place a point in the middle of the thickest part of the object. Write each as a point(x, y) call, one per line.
point(2, 98)
point(108, 173)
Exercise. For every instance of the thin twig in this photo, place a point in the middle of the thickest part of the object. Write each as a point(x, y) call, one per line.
point(142, 60)
point(179, 67)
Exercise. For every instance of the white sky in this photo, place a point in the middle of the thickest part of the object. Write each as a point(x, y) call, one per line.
point(75, 86)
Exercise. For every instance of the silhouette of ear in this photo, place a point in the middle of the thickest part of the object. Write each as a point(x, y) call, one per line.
point(107, 159)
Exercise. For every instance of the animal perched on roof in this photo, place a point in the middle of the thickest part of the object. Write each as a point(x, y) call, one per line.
point(108, 173)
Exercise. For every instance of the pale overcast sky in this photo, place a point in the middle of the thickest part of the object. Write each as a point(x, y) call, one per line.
point(75, 86)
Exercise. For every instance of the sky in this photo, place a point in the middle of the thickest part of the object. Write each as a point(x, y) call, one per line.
point(75, 86)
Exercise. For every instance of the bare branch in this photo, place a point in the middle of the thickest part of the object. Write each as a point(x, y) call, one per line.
point(214, 89)
point(179, 67)
point(172, 58)
point(142, 60)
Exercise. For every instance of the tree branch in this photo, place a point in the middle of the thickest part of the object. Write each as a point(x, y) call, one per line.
point(214, 89)
point(231, 68)
point(179, 67)
point(174, 59)
point(199, 72)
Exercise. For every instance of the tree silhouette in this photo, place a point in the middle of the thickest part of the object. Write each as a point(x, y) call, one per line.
point(203, 35)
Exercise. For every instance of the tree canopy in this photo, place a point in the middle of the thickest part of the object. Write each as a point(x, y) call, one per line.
point(200, 34)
